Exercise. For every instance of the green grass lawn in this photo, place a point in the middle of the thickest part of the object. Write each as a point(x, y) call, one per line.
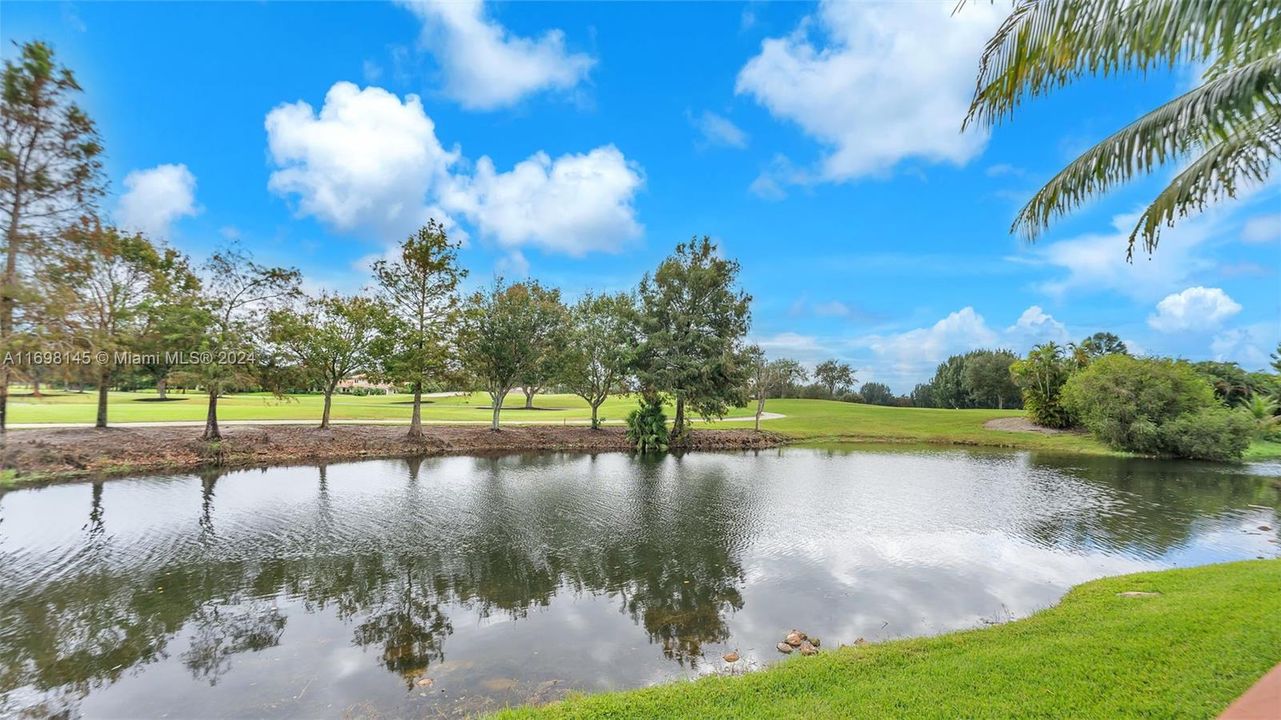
point(1188, 652)
point(809, 420)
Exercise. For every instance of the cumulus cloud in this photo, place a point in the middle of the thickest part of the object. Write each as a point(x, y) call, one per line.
point(484, 65)
point(876, 82)
point(574, 204)
point(1034, 327)
point(1196, 308)
point(1250, 345)
point(715, 129)
point(370, 162)
point(365, 160)
point(157, 197)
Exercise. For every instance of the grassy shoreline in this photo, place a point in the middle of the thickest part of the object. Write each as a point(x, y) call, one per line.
point(1187, 652)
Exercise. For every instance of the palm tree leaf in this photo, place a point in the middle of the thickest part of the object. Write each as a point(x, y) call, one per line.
point(1046, 44)
point(1206, 115)
point(1246, 156)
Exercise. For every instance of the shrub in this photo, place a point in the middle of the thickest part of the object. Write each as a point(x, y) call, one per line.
point(1155, 406)
point(1209, 434)
point(647, 426)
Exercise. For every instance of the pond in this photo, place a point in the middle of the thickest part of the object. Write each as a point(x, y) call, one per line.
point(451, 586)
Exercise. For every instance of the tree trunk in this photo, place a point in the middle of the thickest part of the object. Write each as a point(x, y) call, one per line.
point(104, 378)
point(498, 408)
point(529, 397)
point(595, 422)
point(324, 415)
point(162, 386)
point(4, 397)
point(211, 420)
point(35, 386)
point(678, 425)
point(416, 417)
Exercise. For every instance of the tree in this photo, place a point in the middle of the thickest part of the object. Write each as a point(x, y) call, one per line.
point(598, 348)
point(923, 395)
point(874, 393)
point(1224, 132)
point(988, 380)
point(505, 332)
point(1276, 359)
point(834, 375)
point(1100, 344)
point(949, 387)
point(1232, 385)
point(420, 287)
point(237, 296)
point(110, 275)
point(1041, 376)
point(692, 320)
point(330, 339)
point(1155, 406)
point(172, 315)
point(50, 171)
point(786, 374)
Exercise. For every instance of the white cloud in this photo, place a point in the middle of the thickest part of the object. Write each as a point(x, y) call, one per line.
point(1262, 229)
point(1034, 327)
point(1250, 345)
point(904, 359)
point(1096, 261)
point(512, 265)
point(1196, 308)
point(155, 198)
point(718, 130)
point(888, 81)
point(573, 204)
point(368, 162)
point(487, 67)
point(834, 308)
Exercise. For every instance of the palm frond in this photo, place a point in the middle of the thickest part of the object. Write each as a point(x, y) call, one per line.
point(1245, 156)
point(1046, 44)
point(1199, 118)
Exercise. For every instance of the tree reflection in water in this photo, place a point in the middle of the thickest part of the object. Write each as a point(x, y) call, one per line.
point(666, 542)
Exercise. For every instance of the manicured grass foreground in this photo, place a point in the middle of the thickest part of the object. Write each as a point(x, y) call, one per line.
point(1189, 652)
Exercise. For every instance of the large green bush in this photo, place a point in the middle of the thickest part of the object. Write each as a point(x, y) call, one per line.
point(1210, 434)
point(1154, 406)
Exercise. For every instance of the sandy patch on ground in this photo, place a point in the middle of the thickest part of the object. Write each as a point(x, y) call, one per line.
point(1020, 424)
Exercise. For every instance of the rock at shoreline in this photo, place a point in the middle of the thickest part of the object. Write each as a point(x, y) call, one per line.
point(730, 657)
point(784, 648)
point(795, 638)
point(807, 648)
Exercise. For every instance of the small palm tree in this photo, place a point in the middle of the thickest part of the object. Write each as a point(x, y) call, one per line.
point(1264, 411)
point(1229, 126)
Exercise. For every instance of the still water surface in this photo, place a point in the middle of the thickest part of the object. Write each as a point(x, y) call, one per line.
point(451, 586)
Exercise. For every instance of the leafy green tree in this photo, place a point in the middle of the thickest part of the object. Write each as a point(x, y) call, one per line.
point(330, 339)
point(786, 375)
point(1041, 376)
point(110, 275)
point(506, 331)
point(923, 396)
point(692, 320)
point(1232, 385)
point(237, 296)
point(1276, 359)
point(1224, 132)
point(948, 385)
point(837, 377)
point(420, 288)
point(50, 173)
point(598, 348)
point(1096, 346)
point(874, 393)
point(172, 314)
point(987, 379)
point(1155, 406)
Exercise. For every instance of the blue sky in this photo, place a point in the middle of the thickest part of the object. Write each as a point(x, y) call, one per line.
point(579, 142)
